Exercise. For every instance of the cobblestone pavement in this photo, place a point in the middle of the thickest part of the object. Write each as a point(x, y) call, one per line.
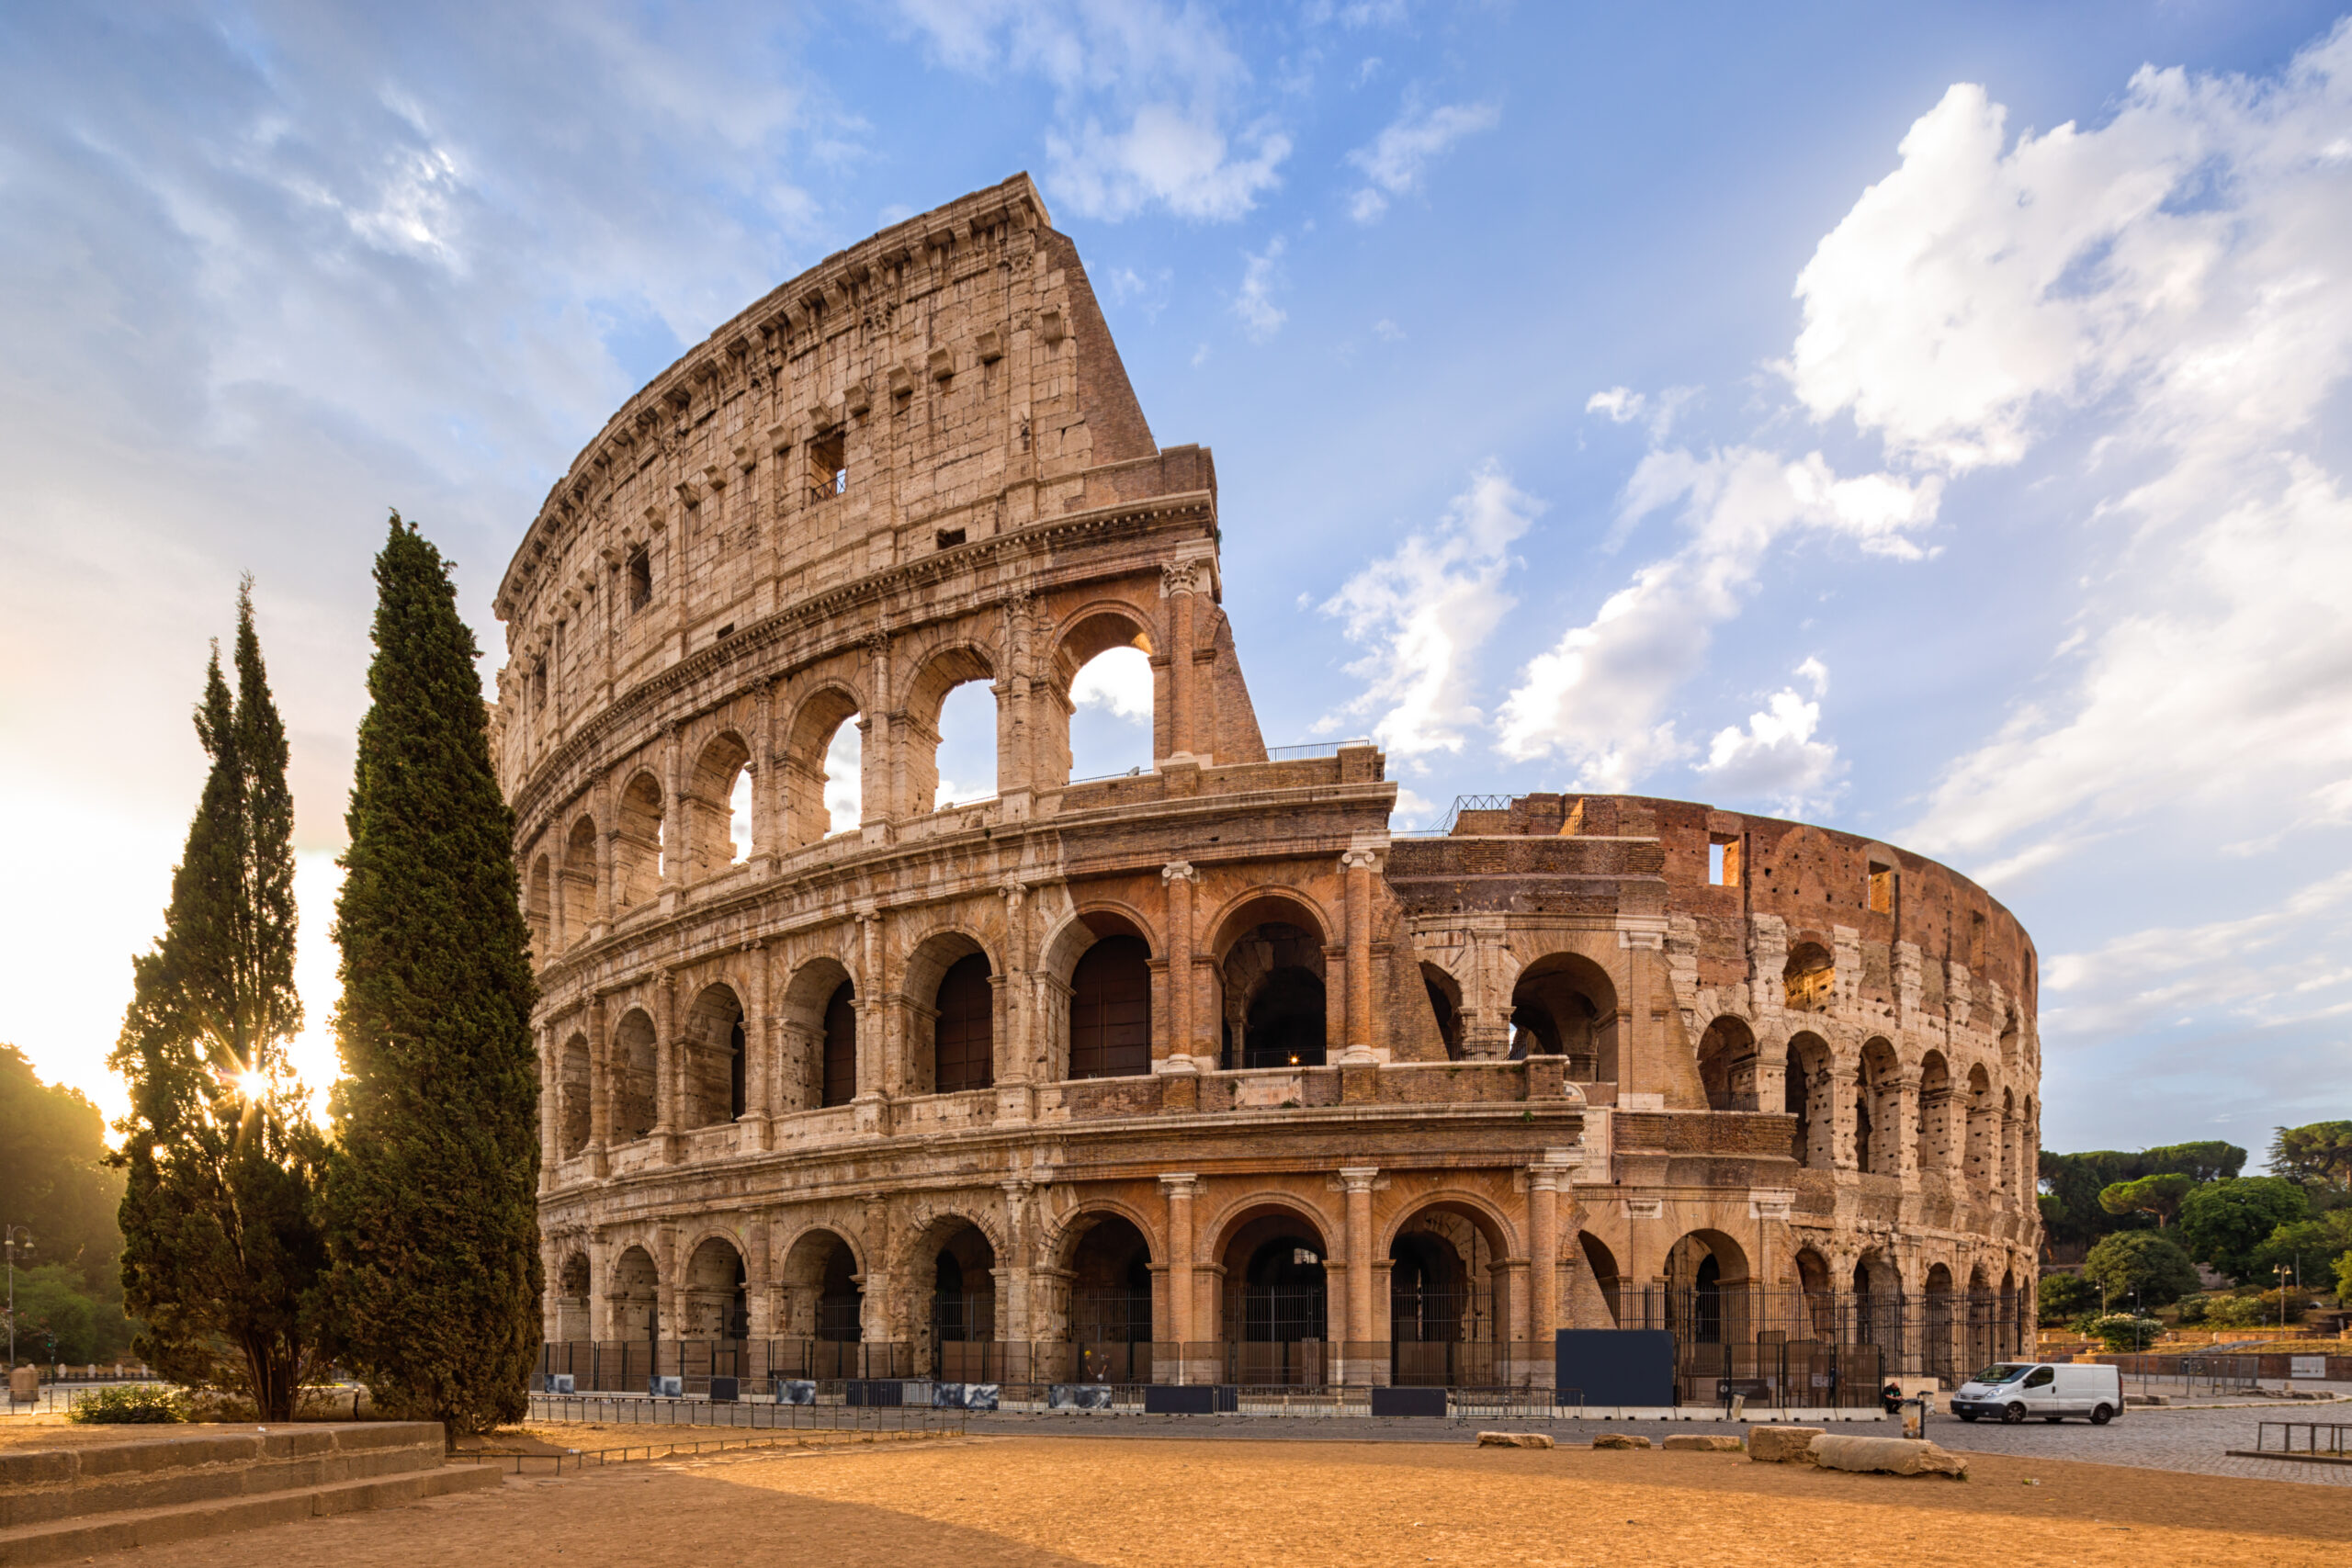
point(2195, 1440)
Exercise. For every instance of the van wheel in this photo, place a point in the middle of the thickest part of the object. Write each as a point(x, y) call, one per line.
point(1967, 1415)
point(2012, 1414)
point(2101, 1416)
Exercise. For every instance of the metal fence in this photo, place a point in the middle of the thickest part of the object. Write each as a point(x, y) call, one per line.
point(2323, 1441)
point(1916, 1334)
point(833, 1408)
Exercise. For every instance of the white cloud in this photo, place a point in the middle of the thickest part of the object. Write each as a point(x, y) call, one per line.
point(1776, 758)
point(1394, 161)
point(1600, 697)
point(1261, 317)
point(2175, 285)
point(1422, 611)
point(1622, 404)
point(1118, 682)
point(1149, 100)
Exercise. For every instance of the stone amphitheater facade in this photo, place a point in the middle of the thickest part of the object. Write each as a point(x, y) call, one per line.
point(1202, 1055)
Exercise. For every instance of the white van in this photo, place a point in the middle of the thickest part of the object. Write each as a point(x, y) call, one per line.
point(2015, 1389)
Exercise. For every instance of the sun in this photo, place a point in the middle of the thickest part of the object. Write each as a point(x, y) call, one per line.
point(251, 1084)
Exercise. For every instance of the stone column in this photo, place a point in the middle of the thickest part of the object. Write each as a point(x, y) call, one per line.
point(1358, 866)
point(1182, 1043)
point(1177, 583)
point(1181, 1189)
point(1542, 1251)
point(550, 1104)
point(1358, 1180)
point(1905, 1098)
point(759, 1050)
point(674, 813)
point(1845, 1084)
point(873, 1020)
point(666, 1056)
point(767, 829)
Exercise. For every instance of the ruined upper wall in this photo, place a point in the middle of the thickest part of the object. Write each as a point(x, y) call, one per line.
point(1639, 855)
point(955, 371)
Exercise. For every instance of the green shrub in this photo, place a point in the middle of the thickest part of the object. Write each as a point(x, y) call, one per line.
point(2193, 1308)
point(2121, 1331)
point(2147, 1262)
point(131, 1405)
point(2066, 1297)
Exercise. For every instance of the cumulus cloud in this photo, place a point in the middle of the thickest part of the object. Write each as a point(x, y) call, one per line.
point(1393, 162)
point(1117, 681)
point(1422, 611)
point(1776, 758)
point(2177, 285)
point(1600, 697)
point(1254, 302)
point(1151, 101)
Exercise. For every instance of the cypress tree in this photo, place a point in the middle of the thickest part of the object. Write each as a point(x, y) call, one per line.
point(222, 1253)
point(433, 1194)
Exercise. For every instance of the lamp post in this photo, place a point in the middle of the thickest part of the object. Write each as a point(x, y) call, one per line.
point(2281, 1273)
point(9, 1234)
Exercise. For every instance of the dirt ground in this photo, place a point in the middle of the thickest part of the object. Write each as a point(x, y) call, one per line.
point(1233, 1504)
point(56, 1432)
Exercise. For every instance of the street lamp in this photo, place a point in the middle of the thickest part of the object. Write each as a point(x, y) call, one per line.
point(2281, 1273)
point(9, 1234)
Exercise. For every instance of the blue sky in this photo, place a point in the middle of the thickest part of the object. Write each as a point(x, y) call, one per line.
point(1929, 420)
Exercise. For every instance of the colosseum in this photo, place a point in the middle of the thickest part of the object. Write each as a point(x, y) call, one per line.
point(1198, 1073)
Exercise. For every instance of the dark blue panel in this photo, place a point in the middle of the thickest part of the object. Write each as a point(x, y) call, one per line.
point(1189, 1399)
point(1617, 1366)
point(1409, 1402)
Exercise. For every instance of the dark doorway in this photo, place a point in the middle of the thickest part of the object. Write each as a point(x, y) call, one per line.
point(841, 1046)
point(735, 1101)
point(965, 1053)
point(1284, 1026)
point(1110, 1010)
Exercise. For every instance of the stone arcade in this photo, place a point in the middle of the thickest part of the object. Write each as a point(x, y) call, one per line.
point(1195, 1073)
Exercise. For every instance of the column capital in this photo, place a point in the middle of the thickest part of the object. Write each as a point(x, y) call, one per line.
point(1179, 871)
point(1369, 860)
point(1358, 1178)
point(1179, 577)
point(1182, 1184)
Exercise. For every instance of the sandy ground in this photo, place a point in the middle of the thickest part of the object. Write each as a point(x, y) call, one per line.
point(1007, 1500)
point(56, 1432)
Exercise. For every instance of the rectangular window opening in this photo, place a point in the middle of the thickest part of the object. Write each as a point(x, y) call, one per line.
point(1882, 890)
point(950, 537)
point(827, 465)
point(640, 579)
point(1722, 859)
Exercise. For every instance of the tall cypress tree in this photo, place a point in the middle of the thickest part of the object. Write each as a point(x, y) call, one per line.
point(222, 1254)
point(432, 1196)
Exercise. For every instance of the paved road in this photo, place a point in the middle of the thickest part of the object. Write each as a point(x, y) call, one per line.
point(2195, 1440)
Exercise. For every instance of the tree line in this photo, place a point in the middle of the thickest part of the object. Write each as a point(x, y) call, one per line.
point(2150, 1218)
point(399, 1242)
point(60, 1189)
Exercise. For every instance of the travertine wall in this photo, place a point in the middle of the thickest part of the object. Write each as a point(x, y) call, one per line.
point(1548, 1041)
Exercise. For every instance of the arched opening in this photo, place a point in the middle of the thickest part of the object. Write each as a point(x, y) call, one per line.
point(710, 803)
point(951, 732)
point(1104, 665)
point(2008, 1334)
point(1110, 1009)
point(1110, 1303)
point(579, 881)
point(962, 1276)
point(538, 909)
point(1878, 1303)
point(1878, 1101)
point(1809, 978)
point(824, 1299)
point(1982, 1307)
point(1603, 1265)
point(637, 844)
point(822, 768)
point(716, 1302)
point(1442, 1306)
point(1808, 1091)
point(635, 1298)
point(1272, 977)
point(814, 1063)
point(1706, 1277)
point(1939, 1343)
point(1933, 1138)
point(635, 1057)
point(1445, 1007)
point(1727, 1065)
point(571, 1098)
point(1276, 1312)
point(714, 1047)
point(1563, 1005)
point(964, 1027)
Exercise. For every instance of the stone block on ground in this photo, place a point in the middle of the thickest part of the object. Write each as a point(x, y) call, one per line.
point(1513, 1440)
point(1619, 1441)
point(1782, 1445)
point(1701, 1443)
point(1887, 1456)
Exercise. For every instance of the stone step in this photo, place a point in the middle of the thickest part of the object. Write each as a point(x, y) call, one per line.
point(125, 1529)
point(156, 1469)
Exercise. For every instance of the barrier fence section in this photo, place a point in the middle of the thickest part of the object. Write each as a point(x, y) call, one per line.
point(2323, 1440)
point(1812, 1344)
point(837, 1411)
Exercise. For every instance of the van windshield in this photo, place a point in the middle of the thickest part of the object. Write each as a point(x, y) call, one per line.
point(2002, 1371)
